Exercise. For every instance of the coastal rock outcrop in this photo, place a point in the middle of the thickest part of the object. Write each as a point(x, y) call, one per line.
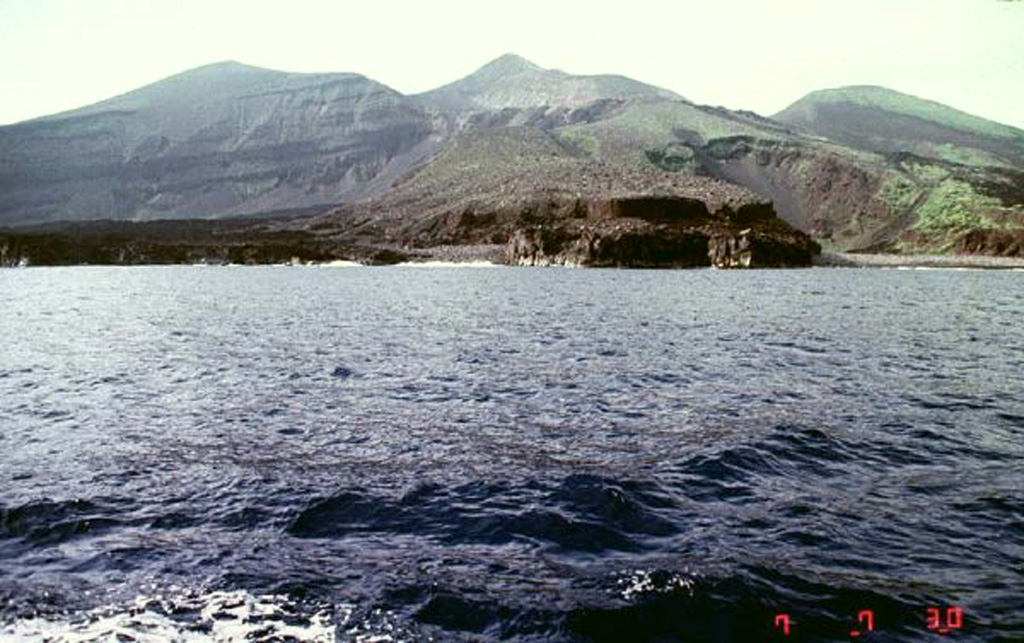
point(236, 241)
point(663, 232)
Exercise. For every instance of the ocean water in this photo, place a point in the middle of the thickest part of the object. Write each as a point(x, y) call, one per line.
point(446, 454)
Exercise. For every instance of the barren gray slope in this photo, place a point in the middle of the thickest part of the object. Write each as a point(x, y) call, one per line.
point(224, 139)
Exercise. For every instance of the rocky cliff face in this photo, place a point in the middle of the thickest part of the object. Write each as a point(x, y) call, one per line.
point(663, 232)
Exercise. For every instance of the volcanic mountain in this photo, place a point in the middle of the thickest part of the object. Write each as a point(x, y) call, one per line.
point(857, 168)
point(222, 140)
point(882, 120)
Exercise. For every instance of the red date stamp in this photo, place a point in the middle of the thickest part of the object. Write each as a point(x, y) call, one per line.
point(865, 624)
point(945, 620)
point(941, 620)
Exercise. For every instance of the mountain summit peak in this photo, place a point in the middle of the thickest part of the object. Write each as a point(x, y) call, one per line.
point(510, 63)
point(511, 81)
point(225, 64)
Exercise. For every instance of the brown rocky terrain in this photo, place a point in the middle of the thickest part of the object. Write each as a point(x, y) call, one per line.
point(569, 209)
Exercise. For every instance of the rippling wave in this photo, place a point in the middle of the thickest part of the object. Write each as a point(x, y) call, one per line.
point(532, 455)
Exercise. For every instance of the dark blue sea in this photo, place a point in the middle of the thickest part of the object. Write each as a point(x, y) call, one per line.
point(458, 454)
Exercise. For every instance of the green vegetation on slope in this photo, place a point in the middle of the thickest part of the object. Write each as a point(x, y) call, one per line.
point(953, 205)
point(943, 202)
point(899, 193)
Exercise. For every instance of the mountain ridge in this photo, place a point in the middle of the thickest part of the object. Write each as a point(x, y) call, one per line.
point(895, 100)
point(255, 140)
point(229, 139)
point(884, 120)
point(227, 78)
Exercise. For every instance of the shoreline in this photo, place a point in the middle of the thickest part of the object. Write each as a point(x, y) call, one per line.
point(494, 255)
point(856, 260)
point(475, 254)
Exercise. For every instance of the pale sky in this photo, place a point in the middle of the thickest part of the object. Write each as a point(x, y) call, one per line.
point(743, 54)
